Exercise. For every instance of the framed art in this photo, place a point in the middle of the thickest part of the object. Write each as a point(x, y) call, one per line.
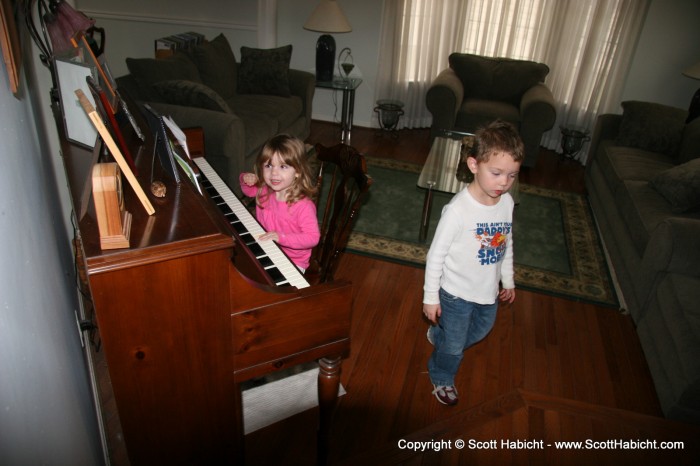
point(10, 43)
point(72, 75)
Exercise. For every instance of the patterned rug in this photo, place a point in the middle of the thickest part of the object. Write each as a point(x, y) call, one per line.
point(557, 249)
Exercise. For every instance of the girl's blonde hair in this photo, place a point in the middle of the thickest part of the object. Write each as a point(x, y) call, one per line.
point(292, 152)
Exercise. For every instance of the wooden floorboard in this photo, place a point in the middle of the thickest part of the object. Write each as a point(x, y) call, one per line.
point(552, 369)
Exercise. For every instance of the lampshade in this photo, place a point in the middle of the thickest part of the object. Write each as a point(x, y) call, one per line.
point(328, 17)
point(693, 71)
point(62, 23)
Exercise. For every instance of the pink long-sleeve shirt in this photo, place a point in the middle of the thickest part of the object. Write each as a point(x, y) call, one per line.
point(296, 224)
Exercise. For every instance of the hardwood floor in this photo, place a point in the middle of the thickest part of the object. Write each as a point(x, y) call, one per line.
point(551, 370)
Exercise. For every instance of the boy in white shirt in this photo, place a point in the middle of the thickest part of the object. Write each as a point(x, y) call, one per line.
point(472, 252)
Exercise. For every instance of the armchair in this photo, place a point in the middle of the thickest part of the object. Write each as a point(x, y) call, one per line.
point(476, 90)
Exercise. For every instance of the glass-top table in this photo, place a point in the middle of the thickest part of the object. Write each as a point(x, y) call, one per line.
point(442, 170)
point(347, 86)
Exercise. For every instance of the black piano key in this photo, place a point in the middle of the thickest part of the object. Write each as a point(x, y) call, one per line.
point(240, 228)
point(256, 250)
point(247, 239)
point(225, 209)
point(275, 275)
point(265, 261)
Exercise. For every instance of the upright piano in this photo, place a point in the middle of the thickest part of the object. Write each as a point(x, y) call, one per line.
point(193, 308)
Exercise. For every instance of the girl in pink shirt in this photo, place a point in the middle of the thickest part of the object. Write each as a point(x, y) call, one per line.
point(284, 194)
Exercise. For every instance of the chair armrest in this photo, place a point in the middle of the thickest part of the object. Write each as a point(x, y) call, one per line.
point(537, 108)
point(444, 98)
point(537, 114)
point(303, 84)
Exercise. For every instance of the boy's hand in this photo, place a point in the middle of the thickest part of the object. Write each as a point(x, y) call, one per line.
point(250, 179)
point(507, 295)
point(432, 312)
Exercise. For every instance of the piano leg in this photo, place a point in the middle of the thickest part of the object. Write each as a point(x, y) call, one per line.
point(239, 440)
point(328, 385)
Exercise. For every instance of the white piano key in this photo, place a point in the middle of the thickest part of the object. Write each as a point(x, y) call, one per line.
point(278, 258)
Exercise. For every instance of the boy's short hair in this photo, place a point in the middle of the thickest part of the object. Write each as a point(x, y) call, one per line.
point(497, 136)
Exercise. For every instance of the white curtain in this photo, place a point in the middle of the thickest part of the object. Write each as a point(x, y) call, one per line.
point(587, 44)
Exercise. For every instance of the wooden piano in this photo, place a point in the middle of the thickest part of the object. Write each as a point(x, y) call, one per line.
point(192, 309)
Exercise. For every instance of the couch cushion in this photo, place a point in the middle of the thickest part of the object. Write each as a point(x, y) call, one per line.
point(283, 110)
point(680, 186)
point(190, 94)
point(148, 71)
point(650, 126)
point(621, 163)
point(641, 209)
point(474, 113)
point(217, 65)
point(265, 71)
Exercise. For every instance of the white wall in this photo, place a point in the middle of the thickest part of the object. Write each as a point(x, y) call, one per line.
point(46, 411)
point(669, 43)
point(365, 18)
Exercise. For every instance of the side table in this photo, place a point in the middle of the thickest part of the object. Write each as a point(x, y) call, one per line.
point(440, 172)
point(347, 86)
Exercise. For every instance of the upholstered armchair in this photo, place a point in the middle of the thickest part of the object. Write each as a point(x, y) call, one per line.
point(476, 90)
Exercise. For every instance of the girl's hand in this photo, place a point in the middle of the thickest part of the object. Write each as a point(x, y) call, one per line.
point(270, 235)
point(507, 295)
point(250, 179)
point(432, 312)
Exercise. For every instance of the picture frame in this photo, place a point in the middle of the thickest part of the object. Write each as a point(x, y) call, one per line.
point(72, 75)
point(9, 41)
point(109, 118)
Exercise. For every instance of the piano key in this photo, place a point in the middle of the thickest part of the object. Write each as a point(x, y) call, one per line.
point(275, 263)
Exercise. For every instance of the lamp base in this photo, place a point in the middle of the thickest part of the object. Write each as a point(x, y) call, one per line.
point(694, 110)
point(325, 58)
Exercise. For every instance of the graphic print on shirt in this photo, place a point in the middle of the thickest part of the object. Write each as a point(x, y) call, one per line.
point(492, 240)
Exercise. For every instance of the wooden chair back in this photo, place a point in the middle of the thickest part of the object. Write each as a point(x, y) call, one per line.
point(343, 185)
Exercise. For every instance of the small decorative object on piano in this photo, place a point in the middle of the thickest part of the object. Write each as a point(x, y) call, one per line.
point(113, 221)
point(158, 189)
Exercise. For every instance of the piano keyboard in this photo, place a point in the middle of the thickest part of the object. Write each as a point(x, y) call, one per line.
point(277, 265)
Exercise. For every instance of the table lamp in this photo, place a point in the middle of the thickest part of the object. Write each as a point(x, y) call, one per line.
point(327, 17)
point(694, 110)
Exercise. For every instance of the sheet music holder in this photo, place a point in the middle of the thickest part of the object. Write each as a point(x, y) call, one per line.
point(162, 145)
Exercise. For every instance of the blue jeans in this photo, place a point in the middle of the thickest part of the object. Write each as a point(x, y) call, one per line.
point(462, 324)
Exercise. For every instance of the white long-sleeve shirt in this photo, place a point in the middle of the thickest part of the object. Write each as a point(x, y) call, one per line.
point(472, 250)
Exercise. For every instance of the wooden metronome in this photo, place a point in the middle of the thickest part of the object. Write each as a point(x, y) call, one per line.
point(113, 221)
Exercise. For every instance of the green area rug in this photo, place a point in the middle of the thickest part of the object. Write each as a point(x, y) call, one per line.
point(557, 249)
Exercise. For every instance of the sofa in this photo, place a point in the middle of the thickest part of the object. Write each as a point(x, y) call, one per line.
point(239, 105)
point(642, 179)
point(475, 90)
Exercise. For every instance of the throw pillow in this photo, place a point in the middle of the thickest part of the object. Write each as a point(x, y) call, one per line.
point(650, 126)
point(680, 186)
point(190, 94)
point(217, 65)
point(265, 71)
point(148, 71)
